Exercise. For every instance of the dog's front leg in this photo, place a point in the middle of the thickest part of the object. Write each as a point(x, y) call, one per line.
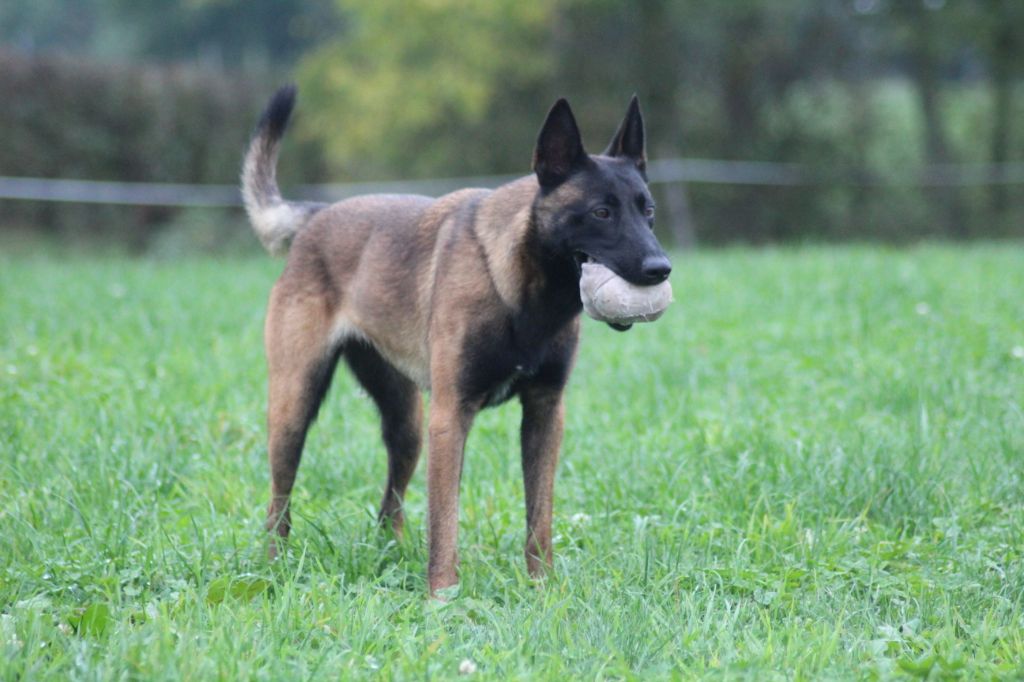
point(541, 437)
point(450, 419)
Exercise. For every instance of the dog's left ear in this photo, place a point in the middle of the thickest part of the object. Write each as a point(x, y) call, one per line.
point(629, 139)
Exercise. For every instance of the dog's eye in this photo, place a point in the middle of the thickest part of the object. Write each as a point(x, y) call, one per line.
point(649, 212)
point(602, 213)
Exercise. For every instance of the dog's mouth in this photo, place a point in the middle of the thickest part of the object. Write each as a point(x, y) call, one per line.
point(579, 258)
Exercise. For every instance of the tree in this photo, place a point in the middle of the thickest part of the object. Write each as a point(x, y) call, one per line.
point(411, 81)
point(230, 33)
point(1002, 42)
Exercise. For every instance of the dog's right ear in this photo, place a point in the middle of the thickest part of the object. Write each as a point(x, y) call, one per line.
point(559, 150)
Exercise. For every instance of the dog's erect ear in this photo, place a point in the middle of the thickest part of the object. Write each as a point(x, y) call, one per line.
point(559, 149)
point(629, 139)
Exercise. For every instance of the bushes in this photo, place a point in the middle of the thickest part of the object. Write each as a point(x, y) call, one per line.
point(873, 131)
point(68, 119)
point(63, 118)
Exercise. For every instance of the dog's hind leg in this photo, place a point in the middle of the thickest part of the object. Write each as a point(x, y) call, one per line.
point(301, 357)
point(401, 415)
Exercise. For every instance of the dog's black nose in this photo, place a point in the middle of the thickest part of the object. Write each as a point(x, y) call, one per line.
point(655, 269)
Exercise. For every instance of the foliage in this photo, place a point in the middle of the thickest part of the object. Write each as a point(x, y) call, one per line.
point(810, 468)
point(411, 80)
point(254, 34)
point(69, 119)
point(426, 88)
point(861, 89)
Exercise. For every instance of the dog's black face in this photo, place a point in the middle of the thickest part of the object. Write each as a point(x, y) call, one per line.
point(598, 208)
point(612, 222)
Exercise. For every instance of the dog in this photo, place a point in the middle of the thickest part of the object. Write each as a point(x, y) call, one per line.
point(473, 296)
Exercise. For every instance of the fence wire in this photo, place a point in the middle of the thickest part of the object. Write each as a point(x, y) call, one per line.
point(665, 171)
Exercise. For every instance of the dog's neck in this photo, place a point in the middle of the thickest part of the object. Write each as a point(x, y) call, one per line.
point(539, 277)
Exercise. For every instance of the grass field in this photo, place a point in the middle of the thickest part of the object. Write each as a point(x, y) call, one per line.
point(811, 468)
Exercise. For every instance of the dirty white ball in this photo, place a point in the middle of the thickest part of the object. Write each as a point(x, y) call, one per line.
point(609, 298)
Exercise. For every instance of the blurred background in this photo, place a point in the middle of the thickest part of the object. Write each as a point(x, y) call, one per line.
point(768, 120)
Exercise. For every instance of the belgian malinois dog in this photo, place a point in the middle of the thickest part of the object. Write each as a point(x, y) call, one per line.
point(473, 296)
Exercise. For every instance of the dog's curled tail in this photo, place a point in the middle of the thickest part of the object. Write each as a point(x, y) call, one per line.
point(274, 220)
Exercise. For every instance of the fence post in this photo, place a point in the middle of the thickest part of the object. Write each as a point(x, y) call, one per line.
point(680, 217)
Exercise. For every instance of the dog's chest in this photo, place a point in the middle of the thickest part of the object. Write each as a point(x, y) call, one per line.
point(498, 367)
point(507, 387)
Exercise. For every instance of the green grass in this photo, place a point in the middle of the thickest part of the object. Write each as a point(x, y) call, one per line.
point(810, 468)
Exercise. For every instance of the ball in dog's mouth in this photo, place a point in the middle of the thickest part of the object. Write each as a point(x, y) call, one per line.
point(609, 298)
